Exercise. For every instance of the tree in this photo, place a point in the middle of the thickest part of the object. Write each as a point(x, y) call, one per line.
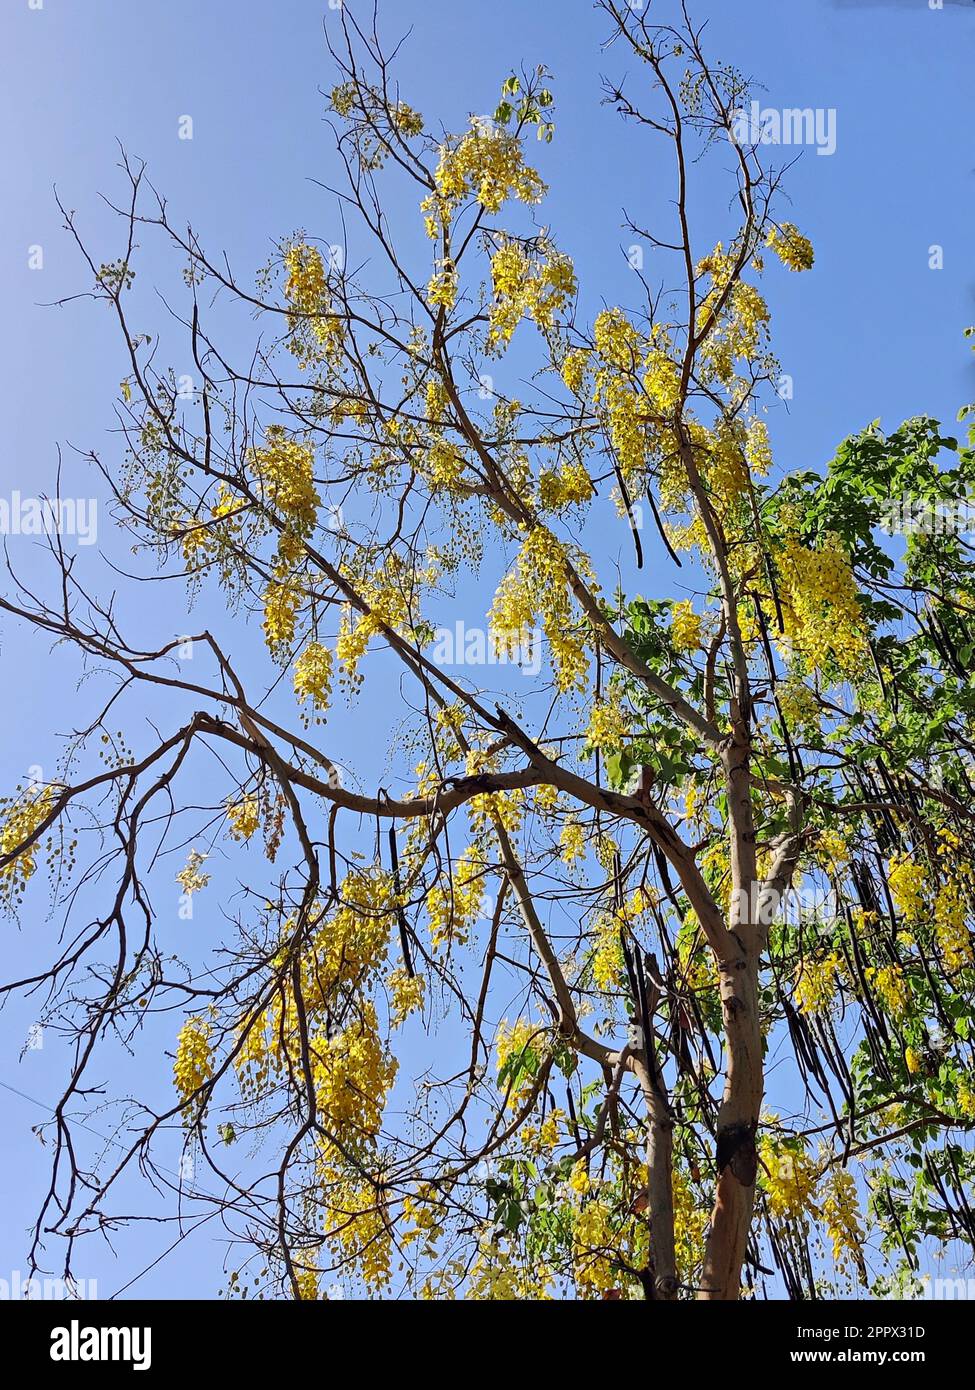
point(708, 830)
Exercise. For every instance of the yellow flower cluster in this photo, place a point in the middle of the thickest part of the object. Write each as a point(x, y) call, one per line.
point(357, 1227)
point(454, 906)
point(514, 1040)
point(685, 627)
point(546, 799)
point(789, 1177)
point(625, 410)
point(487, 164)
point(193, 1066)
point(313, 675)
point(390, 594)
point(609, 726)
point(792, 248)
point(607, 955)
point(538, 585)
point(497, 1276)
point(353, 1073)
point(638, 388)
point(661, 381)
point(799, 705)
point(437, 401)
point(734, 322)
point(202, 541)
point(443, 286)
point(281, 603)
point(407, 121)
point(821, 609)
point(406, 993)
point(951, 929)
point(346, 952)
point(596, 1238)
point(527, 287)
point(891, 984)
point(315, 328)
point(616, 341)
point(20, 822)
point(572, 840)
point(568, 486)
point(352, 943)
point(691, 1220)
point(574, 368)
point(244, 817)
point(758, 450)
point(191, 878)
point(841, 1215)
point(965, 1096)
point(908, 884)
point(550, 1130)
point(284, 468)
point(445, 464)
point(490, 808)
point(816, 982)
point(422, 1219)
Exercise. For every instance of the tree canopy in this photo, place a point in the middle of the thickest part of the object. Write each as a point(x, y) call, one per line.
point(650, 973)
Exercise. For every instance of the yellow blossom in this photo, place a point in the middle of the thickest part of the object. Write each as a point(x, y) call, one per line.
point(685, 626)
point(244, 817)
point(792, 248)
point(407, 995)
point(313, 675)
point(193, 1066)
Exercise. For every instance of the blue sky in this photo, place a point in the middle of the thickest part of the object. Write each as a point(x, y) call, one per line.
point(874, 332)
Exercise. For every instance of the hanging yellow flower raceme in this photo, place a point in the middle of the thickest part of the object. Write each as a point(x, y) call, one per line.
point(454, 902)
point(908, 883)
point(609, 726)
point(951, 929)
point(891, 984)
point(191, 877)
point(841, 1215)
point(518, 1043)
point(284, 468)
point(313, 675)
point(789, 1176)
point(607, 955)
point(799, 705)
point(568, 486)
point(315, 325)
point(443, 286)
point(685, 626)
point(407, 992)
point(574, 368)
point(538, 586)
point(527, 288)
point(20, 822)
point(193, 1066)
point(821, 610)
point(572, 840)
point(244, 817)
point(792, 248)
point(816, 982)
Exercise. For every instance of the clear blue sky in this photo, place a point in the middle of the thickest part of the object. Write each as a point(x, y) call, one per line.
point(872, 333)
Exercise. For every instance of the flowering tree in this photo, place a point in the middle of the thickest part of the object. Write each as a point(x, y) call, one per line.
point(701, 833)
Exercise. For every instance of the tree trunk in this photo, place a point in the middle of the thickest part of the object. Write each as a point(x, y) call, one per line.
point(662, 1282)
point(737, 1158)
